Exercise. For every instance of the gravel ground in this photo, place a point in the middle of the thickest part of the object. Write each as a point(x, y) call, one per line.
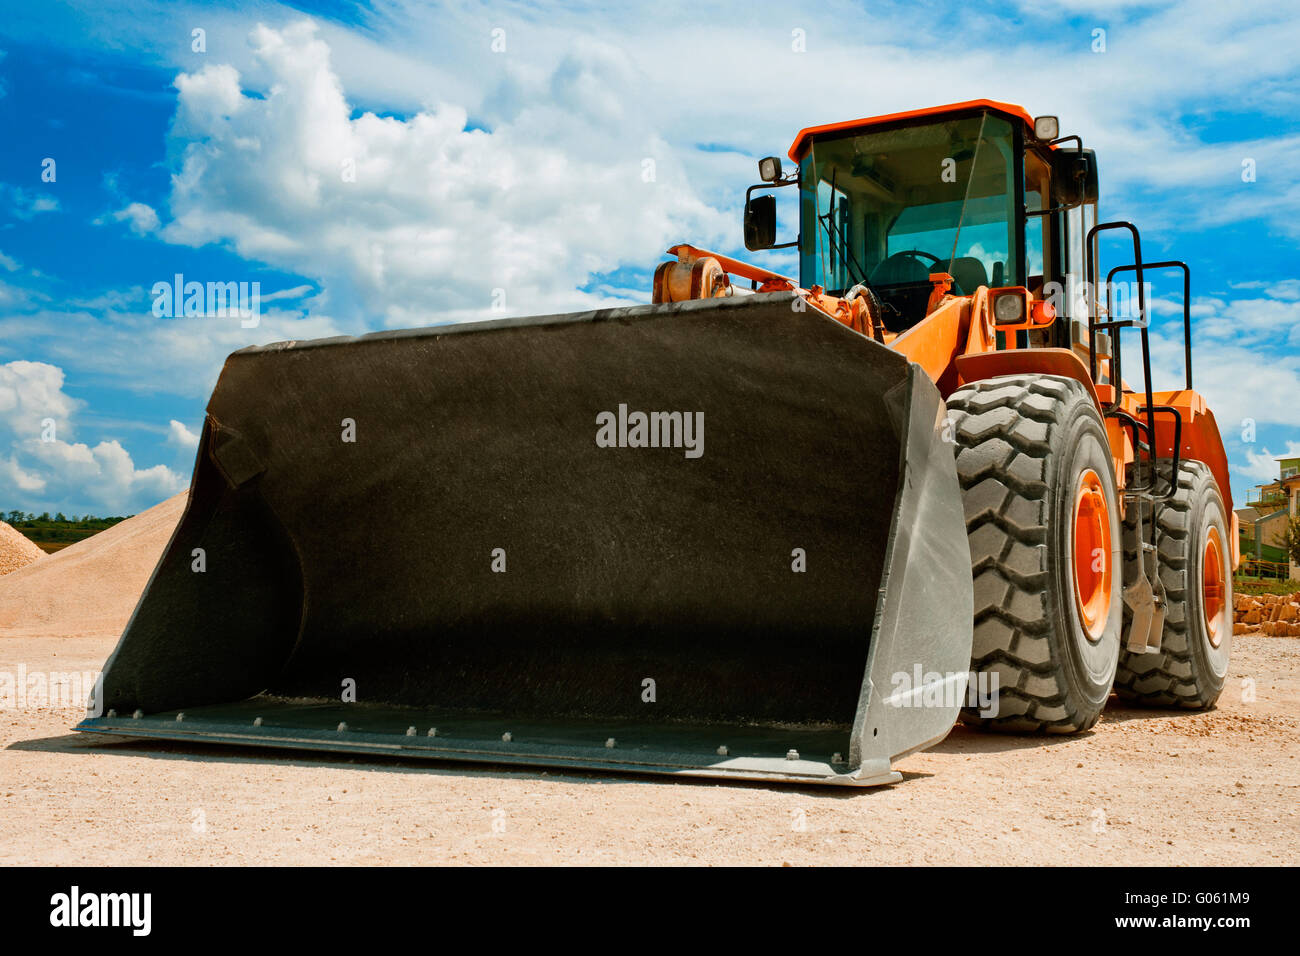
point(1146, 787)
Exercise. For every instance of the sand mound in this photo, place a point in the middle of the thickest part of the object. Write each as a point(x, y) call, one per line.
point(16, 549)
point(89, 588)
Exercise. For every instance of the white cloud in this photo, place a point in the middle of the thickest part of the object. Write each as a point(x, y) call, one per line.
point(440, 216)
point(104, 474)
point(141, 218)
point(1244, 367)
point(421, 220)
point(182, 437)
point(1278, 289)
point(141, 353)
point(40, 469)
point(15, 476)
point(882, 59)
point(26, 204)
point(1239, 359)
point(1134, 101)
point(297, 292)
point(32, 399)
point(1263, 465)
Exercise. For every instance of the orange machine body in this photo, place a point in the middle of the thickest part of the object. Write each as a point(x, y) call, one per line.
point(958, 343)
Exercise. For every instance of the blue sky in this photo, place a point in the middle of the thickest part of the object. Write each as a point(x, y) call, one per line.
point(498, 156)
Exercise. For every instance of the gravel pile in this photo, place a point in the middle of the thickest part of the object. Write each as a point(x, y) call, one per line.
point(89, 588)
point(16, 550)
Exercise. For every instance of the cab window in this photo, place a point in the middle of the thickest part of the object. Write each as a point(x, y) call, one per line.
point(889, 207)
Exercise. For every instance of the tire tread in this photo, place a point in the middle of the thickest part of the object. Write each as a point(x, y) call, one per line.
point(1167, 678)
point(1004, 430)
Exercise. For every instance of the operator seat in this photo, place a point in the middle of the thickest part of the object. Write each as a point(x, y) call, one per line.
point(969, 274)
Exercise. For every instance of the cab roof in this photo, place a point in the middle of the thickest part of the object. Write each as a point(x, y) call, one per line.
point(801, 141)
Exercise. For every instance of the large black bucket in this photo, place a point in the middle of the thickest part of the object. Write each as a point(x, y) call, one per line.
point(692, 537)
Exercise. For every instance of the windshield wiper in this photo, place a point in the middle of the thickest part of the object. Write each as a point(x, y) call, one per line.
point(970, 179)
point(847, 259)
point(875, 304)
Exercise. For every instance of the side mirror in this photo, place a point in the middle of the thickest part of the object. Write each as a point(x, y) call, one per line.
point(1075, 176)
point(760, 222)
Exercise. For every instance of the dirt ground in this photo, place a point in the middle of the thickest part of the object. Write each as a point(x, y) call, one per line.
point(1146, 787)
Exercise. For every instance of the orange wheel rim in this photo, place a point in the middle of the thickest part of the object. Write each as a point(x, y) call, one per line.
point(1092, 557)
point(1212, 589)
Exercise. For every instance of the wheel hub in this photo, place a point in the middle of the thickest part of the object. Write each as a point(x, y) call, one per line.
point(1092, 557)
point(1212, 586)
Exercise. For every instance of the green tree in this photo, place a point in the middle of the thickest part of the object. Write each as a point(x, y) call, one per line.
point(1291, 538)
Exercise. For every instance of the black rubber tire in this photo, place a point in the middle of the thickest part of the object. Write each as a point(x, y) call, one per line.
point(1188, 671)
point(1022, 444)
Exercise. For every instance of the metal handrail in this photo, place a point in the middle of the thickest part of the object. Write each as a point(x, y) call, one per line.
point(1187, 304)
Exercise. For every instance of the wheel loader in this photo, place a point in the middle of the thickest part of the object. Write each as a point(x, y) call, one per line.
point(766, 527)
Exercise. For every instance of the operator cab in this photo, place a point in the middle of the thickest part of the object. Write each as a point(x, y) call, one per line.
point(969, 190)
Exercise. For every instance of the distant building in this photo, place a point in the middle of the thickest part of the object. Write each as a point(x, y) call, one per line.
point(1261, 530)
point(1273, 503)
